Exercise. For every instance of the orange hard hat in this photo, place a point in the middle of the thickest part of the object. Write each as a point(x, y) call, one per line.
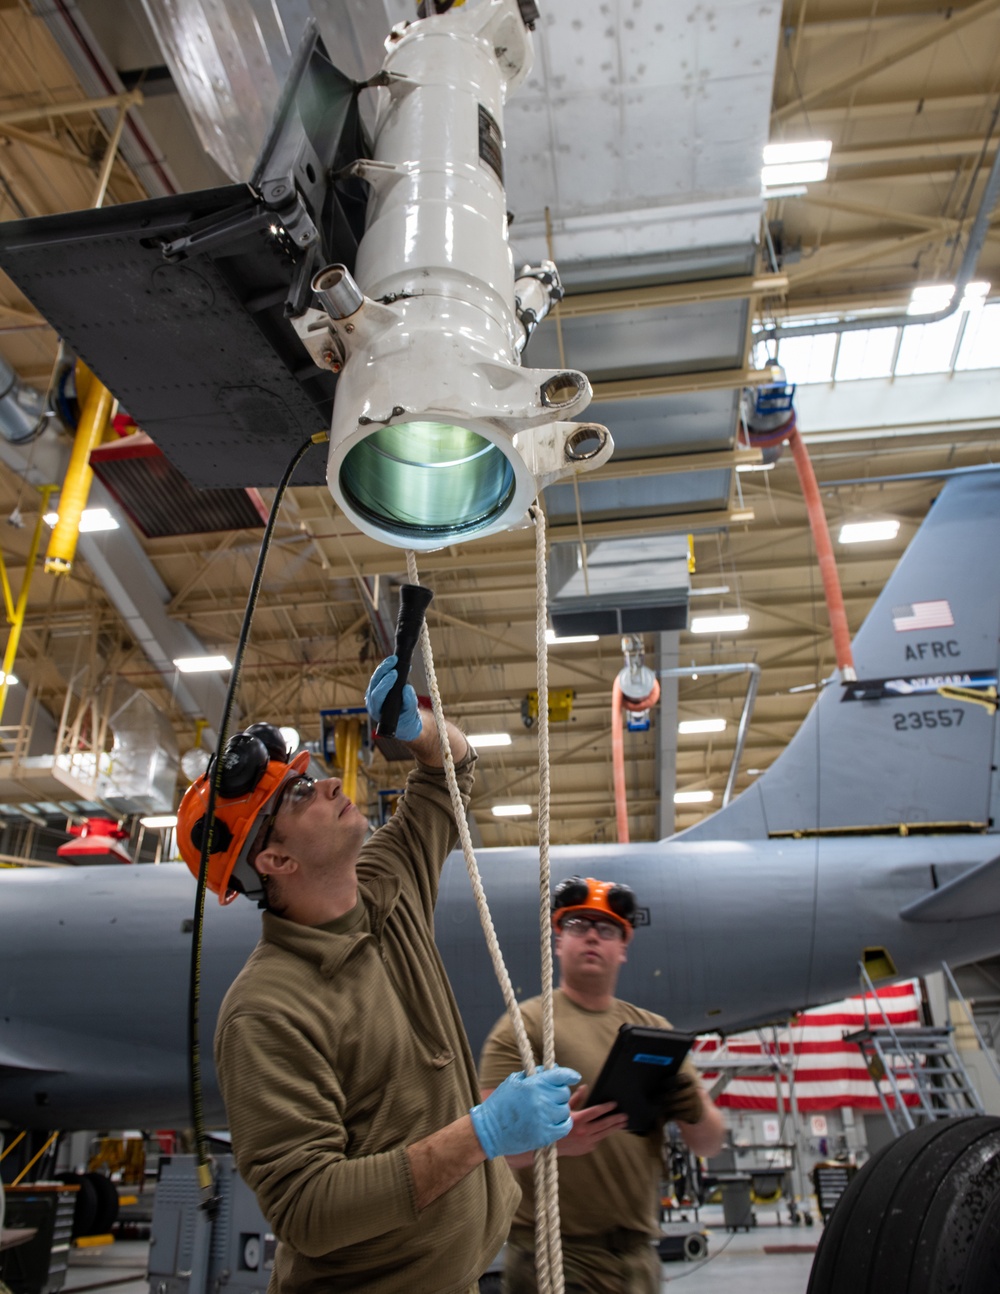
point(586, 895)
point(236, 825)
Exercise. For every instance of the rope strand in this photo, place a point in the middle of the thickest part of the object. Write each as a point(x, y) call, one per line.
point(548, 1248)
point(548, 1236)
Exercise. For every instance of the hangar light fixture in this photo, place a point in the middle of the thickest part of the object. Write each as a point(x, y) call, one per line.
point(554, 641)
point(511, 810)
point(202, 664)
point(693, 797)
point(720, 624)
point(7, 679)
point(804, 162)
point(868, 532)
point(91, 519)
point(482, 740)
point(690, 726)
point(159, 821)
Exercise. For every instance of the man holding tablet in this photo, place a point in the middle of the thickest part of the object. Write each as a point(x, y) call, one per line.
point(609, 1195)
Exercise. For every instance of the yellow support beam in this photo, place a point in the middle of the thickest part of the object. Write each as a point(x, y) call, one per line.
point(95, 418)
point(20, 609)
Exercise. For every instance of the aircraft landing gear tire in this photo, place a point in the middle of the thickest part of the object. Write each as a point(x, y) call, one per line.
point(106, 1214)
point(922, 1216)
point(85, 1208)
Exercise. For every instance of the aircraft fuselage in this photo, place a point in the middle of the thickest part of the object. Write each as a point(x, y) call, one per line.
point(93, 1003)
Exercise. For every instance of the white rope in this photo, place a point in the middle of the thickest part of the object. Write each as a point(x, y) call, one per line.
point(550, 1275)
point(548, 1238)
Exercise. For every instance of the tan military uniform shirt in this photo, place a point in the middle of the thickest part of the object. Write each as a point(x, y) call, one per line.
point(618, 1183)
point(336, 1048)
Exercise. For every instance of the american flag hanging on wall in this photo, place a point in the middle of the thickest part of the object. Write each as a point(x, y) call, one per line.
point(828, 1072)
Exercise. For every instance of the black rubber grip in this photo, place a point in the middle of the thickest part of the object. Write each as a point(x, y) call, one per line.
point(414, 599)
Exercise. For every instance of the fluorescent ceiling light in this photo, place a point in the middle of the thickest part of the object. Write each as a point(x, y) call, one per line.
point(754, 467)
point(511, 810)
point(159, 820)
point(976, 291)
point(743, 514)
point(719, 624)
point(290, 736)
point(693, 797)
point(551, 639)
point(803, 150)
point(481, 740)
point(9, 679)
point(91, 519)
point(202, 664)
point(784, 191)
point(701, 725)
point(707, 593)
point(867, 532)
point(794, 173)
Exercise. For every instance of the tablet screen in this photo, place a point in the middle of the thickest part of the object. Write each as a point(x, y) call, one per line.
point(639, 1071)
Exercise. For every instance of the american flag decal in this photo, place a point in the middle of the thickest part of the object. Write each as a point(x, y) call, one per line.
point(923, 615)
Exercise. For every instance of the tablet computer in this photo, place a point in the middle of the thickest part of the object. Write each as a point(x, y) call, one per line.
point(639, 1071)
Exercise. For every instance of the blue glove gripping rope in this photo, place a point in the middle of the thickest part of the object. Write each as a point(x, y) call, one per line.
point(525, 1112)
point(410, 725)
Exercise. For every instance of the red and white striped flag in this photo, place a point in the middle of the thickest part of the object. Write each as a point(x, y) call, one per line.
point(828, 1073)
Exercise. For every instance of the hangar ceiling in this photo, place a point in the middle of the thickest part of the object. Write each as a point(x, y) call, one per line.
point(633, 157)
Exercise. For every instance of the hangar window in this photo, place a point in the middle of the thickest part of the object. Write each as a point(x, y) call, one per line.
point(980, 345)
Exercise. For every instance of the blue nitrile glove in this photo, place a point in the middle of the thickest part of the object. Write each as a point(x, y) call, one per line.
point(409, 726)
point(525, 1112)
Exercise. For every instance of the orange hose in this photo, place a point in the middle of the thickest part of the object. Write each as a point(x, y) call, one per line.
point(824, 553)
point(620, 702)
point(618, 763)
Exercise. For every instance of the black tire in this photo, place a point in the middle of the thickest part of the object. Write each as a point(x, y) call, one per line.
point(922, 1216)
point(85, 1208)
point(491, 1283)
point(695, 1246)
point(106, 1214)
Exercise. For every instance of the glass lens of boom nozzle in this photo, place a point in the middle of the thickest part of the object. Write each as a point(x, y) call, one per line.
point(337, 292)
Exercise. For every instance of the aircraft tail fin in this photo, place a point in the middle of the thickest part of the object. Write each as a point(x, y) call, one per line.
point(914, 742)
point(976, 893)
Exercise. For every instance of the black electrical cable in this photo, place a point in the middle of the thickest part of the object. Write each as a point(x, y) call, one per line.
point(194, 988)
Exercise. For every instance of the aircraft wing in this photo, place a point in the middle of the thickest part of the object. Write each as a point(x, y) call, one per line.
point(11, 1062)
point(975, 893)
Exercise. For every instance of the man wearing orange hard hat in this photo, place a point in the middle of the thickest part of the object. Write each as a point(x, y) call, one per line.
point(609, 1194)
point(349, 1084)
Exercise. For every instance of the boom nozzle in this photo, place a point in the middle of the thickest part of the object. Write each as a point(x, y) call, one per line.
point(414, 599)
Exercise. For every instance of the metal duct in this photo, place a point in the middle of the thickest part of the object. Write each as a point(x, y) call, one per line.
point(22, 409)
point(624, 585)
point(144, 757)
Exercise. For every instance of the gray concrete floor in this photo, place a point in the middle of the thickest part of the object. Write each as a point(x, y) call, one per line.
point(737, 1263)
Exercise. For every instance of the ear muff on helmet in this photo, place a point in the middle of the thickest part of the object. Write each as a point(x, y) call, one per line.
point(272, 739)
point(246, 757)
point(570, 893)
point(585, 894)
point(621, 901)
point(244, 762)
